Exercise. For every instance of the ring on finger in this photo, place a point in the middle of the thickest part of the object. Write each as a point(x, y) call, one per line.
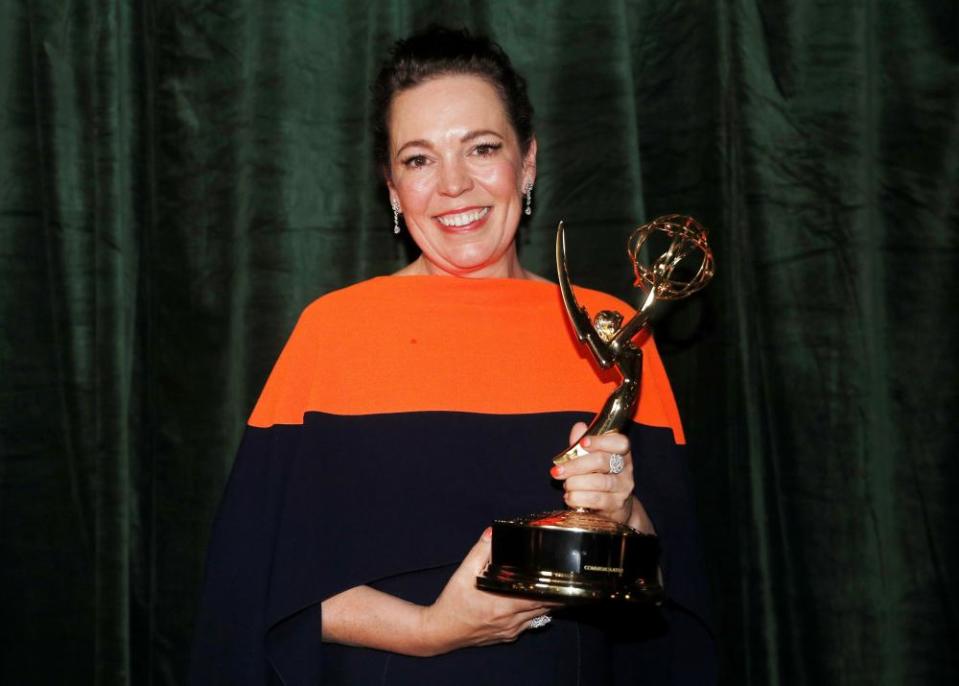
point(617, 463)
point(540, 622)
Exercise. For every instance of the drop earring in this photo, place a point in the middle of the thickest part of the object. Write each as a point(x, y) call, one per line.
point(396, 215)
point(529, 199)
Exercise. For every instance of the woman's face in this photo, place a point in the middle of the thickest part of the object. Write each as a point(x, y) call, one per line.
point(458, 174)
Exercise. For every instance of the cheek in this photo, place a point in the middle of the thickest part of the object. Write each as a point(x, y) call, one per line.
point(502, 179)
point(415, 192)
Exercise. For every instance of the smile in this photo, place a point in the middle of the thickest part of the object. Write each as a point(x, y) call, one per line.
point(463, 218)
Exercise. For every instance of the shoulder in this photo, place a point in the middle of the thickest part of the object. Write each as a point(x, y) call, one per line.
point(342, 300)
point(340, 311)
point(285, 396)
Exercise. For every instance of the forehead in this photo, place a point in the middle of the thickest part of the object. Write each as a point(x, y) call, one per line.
point(445, 108)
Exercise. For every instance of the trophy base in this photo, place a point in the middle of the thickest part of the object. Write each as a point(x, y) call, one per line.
point(573, 555)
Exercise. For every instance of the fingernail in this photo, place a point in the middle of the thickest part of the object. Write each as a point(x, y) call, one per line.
point(488, 533)
point(556, 471)
point(585, 442)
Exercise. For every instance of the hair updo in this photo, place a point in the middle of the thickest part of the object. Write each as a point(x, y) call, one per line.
point(437, 52)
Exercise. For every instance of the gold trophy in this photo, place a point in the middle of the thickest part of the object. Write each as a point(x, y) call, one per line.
point(576, 554)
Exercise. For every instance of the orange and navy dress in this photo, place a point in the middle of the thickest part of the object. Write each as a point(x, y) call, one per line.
point(404, 415)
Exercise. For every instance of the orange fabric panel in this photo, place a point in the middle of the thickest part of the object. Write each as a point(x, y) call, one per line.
point(425, 343)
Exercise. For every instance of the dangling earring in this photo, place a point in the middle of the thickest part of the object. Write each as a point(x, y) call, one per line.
point(529, 199)
point(396, 214)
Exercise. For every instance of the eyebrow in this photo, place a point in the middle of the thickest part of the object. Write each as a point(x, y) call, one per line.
point(468, 136)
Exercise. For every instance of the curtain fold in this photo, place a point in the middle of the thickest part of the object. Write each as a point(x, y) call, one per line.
point(179, 179)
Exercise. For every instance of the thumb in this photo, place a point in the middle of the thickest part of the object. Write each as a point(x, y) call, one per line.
point(478, 556)
point(576, 433)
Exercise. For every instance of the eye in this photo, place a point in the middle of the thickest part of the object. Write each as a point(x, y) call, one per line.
point(487, 149)
point(415, 161)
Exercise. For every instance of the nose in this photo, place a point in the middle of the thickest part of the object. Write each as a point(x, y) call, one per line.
point(455, 178)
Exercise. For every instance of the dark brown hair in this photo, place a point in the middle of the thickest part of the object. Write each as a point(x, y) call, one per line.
point(439, 51)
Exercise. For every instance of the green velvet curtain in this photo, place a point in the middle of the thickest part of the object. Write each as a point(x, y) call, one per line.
point(178, 178)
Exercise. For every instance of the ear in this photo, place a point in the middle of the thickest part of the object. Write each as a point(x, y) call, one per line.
point(394, 196)
point(529, 164)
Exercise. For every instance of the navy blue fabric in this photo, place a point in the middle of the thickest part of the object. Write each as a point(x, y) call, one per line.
point(396, 501)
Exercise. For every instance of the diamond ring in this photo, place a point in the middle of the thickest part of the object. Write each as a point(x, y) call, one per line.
point(540, 622)
point(616, 463)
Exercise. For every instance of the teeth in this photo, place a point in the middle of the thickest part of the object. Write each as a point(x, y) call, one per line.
point(463, 218)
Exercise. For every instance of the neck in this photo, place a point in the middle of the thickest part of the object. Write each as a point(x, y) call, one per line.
point(508, 267)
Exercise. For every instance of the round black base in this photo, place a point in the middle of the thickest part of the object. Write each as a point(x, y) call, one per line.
point(572, 555)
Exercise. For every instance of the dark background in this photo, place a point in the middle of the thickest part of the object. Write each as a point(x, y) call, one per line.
point(179, 179)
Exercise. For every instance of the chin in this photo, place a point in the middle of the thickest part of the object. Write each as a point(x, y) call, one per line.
point(472, 262)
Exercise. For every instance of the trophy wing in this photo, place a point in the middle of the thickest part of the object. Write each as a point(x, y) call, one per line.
point(578, 315)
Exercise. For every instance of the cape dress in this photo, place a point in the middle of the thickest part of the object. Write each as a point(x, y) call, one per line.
point(404, 414)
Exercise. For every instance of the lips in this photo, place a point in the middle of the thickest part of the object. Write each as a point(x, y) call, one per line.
point(464, 219)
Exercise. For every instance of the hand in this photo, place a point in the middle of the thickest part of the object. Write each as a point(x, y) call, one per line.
point(465, 616)
point(588, 483)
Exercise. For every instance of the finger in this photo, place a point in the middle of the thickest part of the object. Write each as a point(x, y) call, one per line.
point(516, 626)
point(478, 556)
point(525, 617)
point(576, 433)
point(610, 443)
point(594, 500)
point(592, 463)
point(520, 621)
point(512, 604)
point(516, 604)
point(604, 483)
point(536, 610)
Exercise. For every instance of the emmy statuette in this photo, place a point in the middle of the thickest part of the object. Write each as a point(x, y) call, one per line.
point(575, 554)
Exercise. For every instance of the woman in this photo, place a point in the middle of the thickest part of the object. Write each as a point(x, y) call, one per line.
point(406, 412)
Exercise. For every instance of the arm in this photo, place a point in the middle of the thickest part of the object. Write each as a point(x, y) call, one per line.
point(461, 616)
point(363, 616)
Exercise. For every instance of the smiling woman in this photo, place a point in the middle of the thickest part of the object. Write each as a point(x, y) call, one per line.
point(457, 172)
point(372, 462)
